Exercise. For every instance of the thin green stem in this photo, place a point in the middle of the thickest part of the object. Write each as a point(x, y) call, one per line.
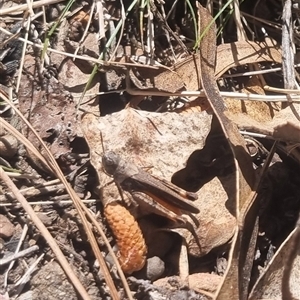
point(212, 22)
point(55, 25)
point(108, 43)
point(194, 21)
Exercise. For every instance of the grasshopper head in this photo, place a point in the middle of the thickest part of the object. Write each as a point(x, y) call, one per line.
point(110, 162)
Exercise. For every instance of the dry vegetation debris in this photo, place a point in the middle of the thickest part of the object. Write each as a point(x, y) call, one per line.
point(149, 151)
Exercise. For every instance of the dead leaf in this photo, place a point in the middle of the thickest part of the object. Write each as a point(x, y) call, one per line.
point(284, 126)
point(271, 283)
point(245, 52)
point(258, 111)
point(200, 282)
point(50, 110)
point(182, 74)
point(234, 285)
point(287, 131)
point(164, 142)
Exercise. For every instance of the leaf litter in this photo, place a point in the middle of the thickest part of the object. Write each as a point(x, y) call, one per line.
point(142, 104)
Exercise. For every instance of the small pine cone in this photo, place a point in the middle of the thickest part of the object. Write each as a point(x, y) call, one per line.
point(129, 237)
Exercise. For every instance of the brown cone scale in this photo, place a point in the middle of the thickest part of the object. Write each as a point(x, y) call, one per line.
point(129, 237)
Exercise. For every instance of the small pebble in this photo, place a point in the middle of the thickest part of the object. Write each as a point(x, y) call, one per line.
point(154, 268)
point(6, 227)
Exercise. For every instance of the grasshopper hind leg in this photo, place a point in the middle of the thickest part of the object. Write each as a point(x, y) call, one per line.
point(152, 206)
point(186, 224)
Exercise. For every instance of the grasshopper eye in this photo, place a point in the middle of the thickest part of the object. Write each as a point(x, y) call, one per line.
point(110, 162)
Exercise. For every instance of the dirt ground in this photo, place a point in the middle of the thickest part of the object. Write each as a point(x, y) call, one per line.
point(141, 184)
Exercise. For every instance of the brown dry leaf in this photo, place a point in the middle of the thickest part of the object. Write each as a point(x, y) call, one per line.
point(271, 284)
point(51, 110)
point(235, 282)
point(217, 225)
point(245, 52)
point(228, 56)
point(74, 75)
point(284, 126)
point(164, 142)
point(255, 110)
point(286, 123)
point(287, 131)
point(200, 282)
point(204, 282)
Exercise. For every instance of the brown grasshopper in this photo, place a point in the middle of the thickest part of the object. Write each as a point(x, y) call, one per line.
point(163, 198)
point(159, 197)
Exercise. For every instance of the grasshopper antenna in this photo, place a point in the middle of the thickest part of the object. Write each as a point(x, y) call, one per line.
point(103, 169)
point(102, 142)
point(103, 151)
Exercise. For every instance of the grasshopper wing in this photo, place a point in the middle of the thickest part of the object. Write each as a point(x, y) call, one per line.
point(158, 190)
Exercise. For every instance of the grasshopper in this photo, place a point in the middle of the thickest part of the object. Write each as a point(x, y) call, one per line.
point(162, 197)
